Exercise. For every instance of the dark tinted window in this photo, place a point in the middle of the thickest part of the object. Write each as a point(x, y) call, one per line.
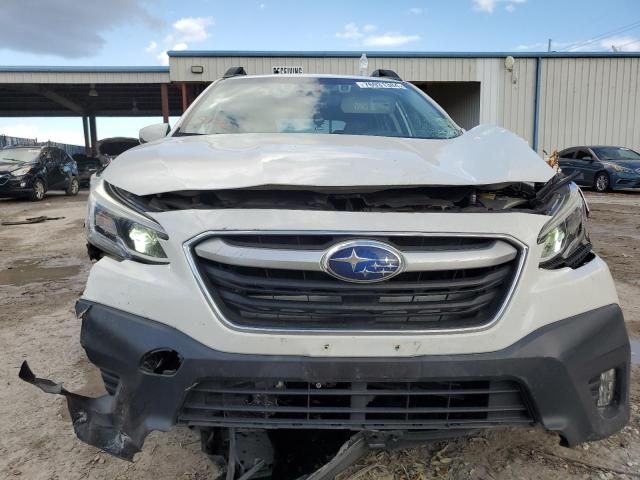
point(615, 153)
point(317, 105)
point(48, 155)
point(567, 153)
point(580, 154)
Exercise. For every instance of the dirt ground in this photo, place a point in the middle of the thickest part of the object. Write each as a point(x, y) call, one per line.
point(43, 268)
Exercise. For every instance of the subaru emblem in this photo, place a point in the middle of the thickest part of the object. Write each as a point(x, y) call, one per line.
point(362, 261)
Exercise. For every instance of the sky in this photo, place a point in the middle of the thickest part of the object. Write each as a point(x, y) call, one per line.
point(139, 32)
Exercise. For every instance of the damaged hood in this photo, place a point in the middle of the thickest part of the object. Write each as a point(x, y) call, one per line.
point(8, 167)
point(482, 156)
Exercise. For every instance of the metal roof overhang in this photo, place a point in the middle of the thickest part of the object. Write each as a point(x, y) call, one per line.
point(64, 91)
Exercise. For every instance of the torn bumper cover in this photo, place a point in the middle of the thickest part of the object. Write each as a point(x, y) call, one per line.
point(555, 365)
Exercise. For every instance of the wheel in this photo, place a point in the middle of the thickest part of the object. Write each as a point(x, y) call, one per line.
point(601, 182)
point(37, 192)
point(73, 187)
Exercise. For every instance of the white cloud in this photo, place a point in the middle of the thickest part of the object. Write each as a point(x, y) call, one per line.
point(490, 5)
point(531, 46)
point(163, 58)
point(622, 44)
point(184, 31)
point(365, 36)
point(151, 47)
point(350, 32)
point(190, 29)
point(417, 10)
point(484, 5)
point(389, 39)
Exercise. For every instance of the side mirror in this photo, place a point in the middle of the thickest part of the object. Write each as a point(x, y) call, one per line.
point(587, 158)
point(153, 132)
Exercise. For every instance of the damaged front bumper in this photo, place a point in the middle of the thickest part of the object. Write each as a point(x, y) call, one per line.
point(555, 366)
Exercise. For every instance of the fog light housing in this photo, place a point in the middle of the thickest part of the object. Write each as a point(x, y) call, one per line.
point(607, 388)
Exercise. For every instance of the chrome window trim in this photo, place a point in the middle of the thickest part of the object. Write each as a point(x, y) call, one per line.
point(188, 247)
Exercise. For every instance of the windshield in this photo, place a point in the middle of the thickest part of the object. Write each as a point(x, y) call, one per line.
point(19, 155)
point(615, 153)
point(317, 105)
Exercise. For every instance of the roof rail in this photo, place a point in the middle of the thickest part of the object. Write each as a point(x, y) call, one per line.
point(386, 74)
point(234, 72)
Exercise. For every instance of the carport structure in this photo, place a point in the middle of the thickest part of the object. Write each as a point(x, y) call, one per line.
point(90, 92)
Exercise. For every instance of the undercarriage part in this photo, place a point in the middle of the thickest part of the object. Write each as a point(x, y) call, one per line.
point(308, 454)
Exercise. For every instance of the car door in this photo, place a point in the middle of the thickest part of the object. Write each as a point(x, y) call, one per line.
point(56, 177)
point(586, 164)
point(566, 160)
point(68, 166)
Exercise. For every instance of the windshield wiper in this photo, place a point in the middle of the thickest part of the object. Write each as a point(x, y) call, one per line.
point(178, 133)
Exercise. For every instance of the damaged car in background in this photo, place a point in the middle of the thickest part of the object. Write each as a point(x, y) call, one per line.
point(332, 258)
point(31, 171)
point(108, 150)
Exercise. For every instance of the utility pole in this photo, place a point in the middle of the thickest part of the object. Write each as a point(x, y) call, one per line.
point(549, 46)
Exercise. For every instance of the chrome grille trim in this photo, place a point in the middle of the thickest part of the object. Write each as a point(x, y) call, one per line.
point(189, 249)
point(218, 250)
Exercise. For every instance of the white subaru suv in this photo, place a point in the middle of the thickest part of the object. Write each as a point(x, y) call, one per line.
point(321, 252)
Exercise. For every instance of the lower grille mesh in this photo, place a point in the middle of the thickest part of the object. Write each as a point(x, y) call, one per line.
point(357, 405)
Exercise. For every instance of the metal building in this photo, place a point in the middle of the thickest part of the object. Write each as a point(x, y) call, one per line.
point(553, 100)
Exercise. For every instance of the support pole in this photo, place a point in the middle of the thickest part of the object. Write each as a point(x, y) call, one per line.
point(185, 100)
point(94, 136)
point(164, 98)
point(536, 105)
point(85, 130)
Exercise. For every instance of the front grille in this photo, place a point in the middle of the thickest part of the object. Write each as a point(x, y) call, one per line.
point(287, 298)
point(357, 405)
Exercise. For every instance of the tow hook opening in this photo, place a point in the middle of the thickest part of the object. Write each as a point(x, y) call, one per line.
point(161, 362)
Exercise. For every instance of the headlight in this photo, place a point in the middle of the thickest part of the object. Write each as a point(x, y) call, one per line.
point(620, 168)
point(21, 171)
point(121, 231)
point(564, 239)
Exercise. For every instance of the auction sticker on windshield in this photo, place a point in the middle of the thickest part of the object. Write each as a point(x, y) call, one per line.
point(379, 85)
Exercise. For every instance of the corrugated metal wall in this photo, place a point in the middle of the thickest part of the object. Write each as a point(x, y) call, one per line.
point(413, 69)
point(590, 101)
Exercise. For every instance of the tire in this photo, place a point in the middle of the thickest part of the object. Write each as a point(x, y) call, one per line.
point(73, 188)
point(601, 182)
point(37, 191)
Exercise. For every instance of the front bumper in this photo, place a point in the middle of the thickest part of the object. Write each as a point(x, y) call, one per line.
point(12, 186)
point(554, 366)
point(624, 181)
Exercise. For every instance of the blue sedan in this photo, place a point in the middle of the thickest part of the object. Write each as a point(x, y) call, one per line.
point(603, 168)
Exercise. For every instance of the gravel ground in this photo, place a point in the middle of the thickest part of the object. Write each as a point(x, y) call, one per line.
point(43, 268)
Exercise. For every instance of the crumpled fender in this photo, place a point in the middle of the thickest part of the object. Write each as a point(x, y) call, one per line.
point(95, 420)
